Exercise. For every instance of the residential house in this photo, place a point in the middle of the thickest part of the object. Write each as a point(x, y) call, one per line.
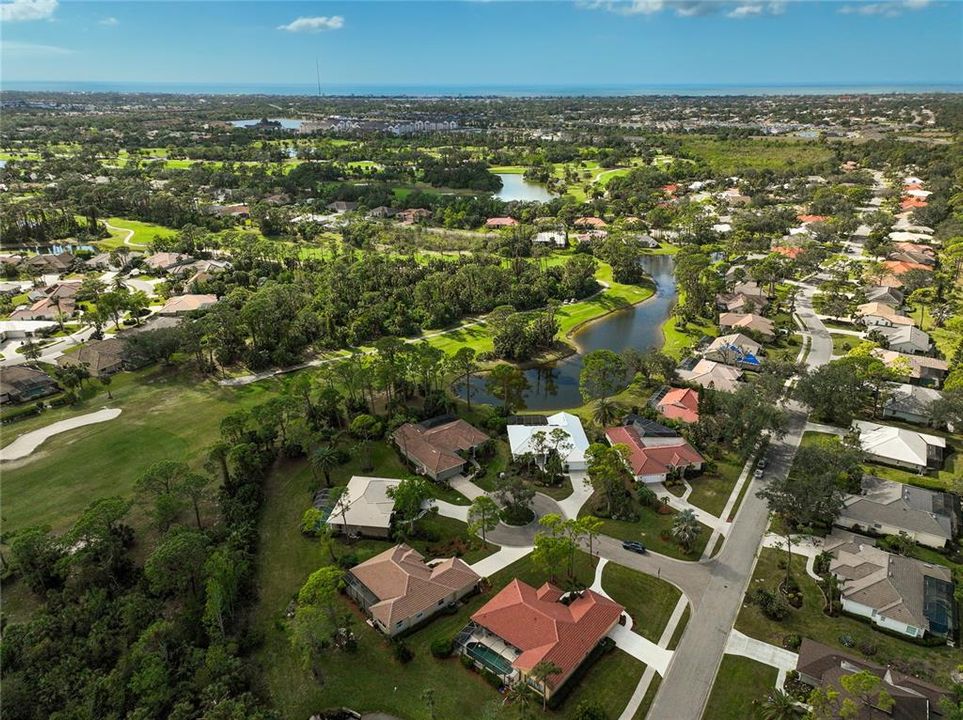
point(912, 257)
point(820, 666)
point(927, 370)
point(398, 590)
point(187, 303)
point(884, 295)
point(900, 594)
point(734, 349)
point(551, 237)
point(910, 403)
point(382, 212)
point(809, 219)
point(898, 267)
point(166, 261)
point(734, 198)
point(23, 383)
point(745, 297)
point(238, 210)
point(415, 215)
point(655, 452)
point(50, 264)
point(500, 222)
point(539, 439)
point(912, 203)
point(789, 251)
point(521, 627)
point(101, 261)
point(365, 508)
point(342, 206)
point(99, 357)
point(16, 329)
point(879, 314)
point(747, 321)
point(884, 507)
point(679, 404)
point(46, 309)
point(900, 447)
point(906, 339)
point(591, 223)
point(63, 289)
point(711, 374)
point(439, 450)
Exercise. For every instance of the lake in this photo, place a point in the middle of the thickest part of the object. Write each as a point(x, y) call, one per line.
point(516, 187)
point(286, 123)
point(554, 386)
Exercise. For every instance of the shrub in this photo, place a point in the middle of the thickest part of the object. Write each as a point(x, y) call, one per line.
point(791, 641)
point(867, 647)
point(348, 560)
point(467, 662)
point(402, 652)
point(442, 647)
point(847, 641)
point(491, 678)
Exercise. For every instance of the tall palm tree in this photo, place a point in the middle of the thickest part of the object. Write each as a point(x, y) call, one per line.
point(778, 706)
point(606, 411)
point(324, 460)
point(686, 528)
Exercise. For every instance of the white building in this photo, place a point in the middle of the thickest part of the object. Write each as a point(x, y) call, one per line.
point(366, 507)
point(900, 447)
point(525, 439)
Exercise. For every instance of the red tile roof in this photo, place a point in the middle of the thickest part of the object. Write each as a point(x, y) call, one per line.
point(535, 622)
point(913, 186)
point(653, 458)
point(812, 218)
point(671, 188)
point(789, 251)
point(437, 448)
point(912, 202)
point(898, 267)
point(680, 404)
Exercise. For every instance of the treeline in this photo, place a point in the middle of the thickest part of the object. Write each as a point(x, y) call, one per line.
point(166, 639)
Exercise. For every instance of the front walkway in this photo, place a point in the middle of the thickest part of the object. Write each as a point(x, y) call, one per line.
point(777, 657)
point(680, 503)
point(500, 560)
point(466, 487)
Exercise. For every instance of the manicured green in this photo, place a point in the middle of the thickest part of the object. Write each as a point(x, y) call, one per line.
point(711, 489)
point(649, 601)
point(739, 685)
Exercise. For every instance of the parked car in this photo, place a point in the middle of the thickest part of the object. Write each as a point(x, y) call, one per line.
point(758, 473)
point(763, 461)
point(634, 546)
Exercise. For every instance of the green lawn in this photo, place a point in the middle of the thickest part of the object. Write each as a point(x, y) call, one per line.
point(167, 414)
point(679, 340)
point(737, 155)
point(711, 490)
point(648, 600)
point(932, 663)
point(649, 530)
point(842, 344)
point(741, 683)
point(144, 233)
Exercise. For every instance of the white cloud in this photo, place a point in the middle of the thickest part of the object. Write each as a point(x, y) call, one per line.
point(32, 50)
point(109, 22)
point(17, 10)
point(690, 8)
point(314, 24)
point(886, 8)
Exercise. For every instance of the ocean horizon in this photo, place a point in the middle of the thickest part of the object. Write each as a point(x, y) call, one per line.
point(521, 90)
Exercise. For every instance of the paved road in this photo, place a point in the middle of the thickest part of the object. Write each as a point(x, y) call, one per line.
point(688, 682)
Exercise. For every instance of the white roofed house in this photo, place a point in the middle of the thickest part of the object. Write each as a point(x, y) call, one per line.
point(910, 403)
point(551, 237)
point(538, 440)
point(365, 508)
point(187, 303)
point(880, 314)
point(900, 447)
point(906, 339)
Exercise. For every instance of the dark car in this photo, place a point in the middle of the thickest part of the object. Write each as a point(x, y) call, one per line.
point(633, 546)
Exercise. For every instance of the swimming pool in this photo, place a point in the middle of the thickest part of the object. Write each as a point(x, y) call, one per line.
point(489, 658)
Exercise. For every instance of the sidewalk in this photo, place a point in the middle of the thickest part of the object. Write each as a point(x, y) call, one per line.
point(777, 657)
point(486, 567)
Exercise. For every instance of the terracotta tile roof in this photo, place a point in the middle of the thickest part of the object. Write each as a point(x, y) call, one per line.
point(912, 202)
point(405, 586)
point(789, 251)
point(680, 404)
point(436, 449)
point(898, 267)
point(501, 222)
point(535, 622)
point(656, 457)
point(812, 218)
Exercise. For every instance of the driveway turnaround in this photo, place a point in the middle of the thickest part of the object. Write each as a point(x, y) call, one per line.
point(28, 442)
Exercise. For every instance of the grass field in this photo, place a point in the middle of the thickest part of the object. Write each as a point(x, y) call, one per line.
point(933, 663)
point(679, 340)
point(144, 233)
point(711, 490)
point(740, 684)
point(648, 600)
point(167, 414)
point(734, 156)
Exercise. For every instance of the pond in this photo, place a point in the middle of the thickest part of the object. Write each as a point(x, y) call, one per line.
point(57, 249)
point(286, 123)
point(554, 386)
point(516, 187)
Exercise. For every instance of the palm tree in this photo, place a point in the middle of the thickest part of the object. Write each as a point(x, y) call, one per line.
point(606, 411)
point(542, 671)
point(686, 528)
point(778, 706)
point(324, 460)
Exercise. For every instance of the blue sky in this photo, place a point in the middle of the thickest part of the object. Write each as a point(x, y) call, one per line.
point(585, 42)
